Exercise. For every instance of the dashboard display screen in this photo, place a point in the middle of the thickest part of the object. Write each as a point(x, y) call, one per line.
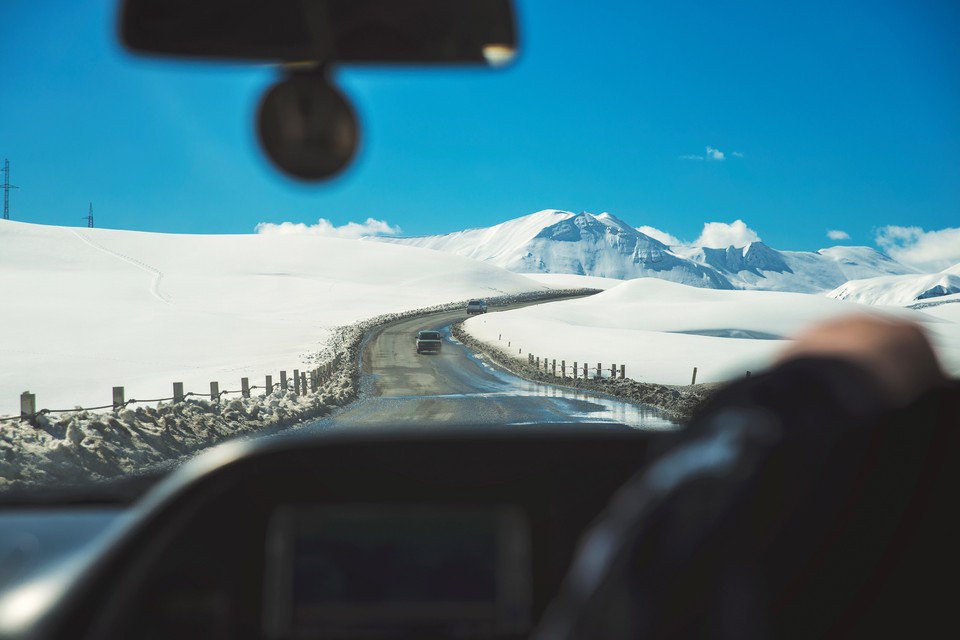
point(365, 568)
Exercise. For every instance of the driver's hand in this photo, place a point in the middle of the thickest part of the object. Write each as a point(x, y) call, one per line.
point(896, 352)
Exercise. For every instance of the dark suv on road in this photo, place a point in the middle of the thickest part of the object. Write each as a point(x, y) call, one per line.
point(428, 342)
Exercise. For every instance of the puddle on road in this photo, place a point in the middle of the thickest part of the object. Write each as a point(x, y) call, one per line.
point(565, 405)
point(583, 405)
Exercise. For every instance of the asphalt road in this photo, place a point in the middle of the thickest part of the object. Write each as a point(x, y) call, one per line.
point(454, 387)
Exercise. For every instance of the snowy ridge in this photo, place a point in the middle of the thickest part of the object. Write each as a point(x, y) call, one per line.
point(561, 242)
point(900, 290)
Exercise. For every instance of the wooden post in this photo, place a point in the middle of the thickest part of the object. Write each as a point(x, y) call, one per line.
point(28, 407)
point(563, 369)
point(315, 380)
point(574, 369)
point(283, 380)
point(499, 337)
point(269, 385)
point(296, 381)
point(623, 371)
point(521, 349)
point(538, 363)
point(554, 369)
point(613, 371)
point(599, 371)
point(508, 343)
point(215, 391)
point(303, 381)
point(585, 376)
point(117, 397)
point(693, 380)
point(178, 392)
point(245, 387)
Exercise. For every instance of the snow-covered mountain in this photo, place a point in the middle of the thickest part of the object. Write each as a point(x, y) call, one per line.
point(553, 241)
point(757, 266)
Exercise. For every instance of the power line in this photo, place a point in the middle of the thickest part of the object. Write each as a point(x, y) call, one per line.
point(6, 189)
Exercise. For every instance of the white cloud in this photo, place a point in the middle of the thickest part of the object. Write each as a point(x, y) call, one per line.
point(326, 228)
point(711, 154)
point(838, 234)
point(930, 251)
point(715, 154)
point(656, 234)
point(721, 235)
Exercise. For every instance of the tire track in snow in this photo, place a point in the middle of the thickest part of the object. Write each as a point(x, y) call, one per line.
point(156, 273)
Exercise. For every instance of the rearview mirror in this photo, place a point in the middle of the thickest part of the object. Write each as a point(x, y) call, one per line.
point(285, 31)
point(305, 124)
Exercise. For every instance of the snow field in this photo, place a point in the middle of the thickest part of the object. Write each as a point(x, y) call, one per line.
point(86, 309)
point(661, 330)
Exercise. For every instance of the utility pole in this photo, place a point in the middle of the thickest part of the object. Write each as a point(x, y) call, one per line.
point(6, 189)
point(90, 217)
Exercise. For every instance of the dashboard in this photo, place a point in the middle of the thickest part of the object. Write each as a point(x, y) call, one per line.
point(362, 533)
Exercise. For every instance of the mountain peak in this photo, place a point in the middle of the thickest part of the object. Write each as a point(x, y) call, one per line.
point(558, 241)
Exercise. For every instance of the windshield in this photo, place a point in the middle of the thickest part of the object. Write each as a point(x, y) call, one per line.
point(660, 193)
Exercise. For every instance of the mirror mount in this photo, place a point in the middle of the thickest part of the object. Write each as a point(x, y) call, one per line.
point(305, 124)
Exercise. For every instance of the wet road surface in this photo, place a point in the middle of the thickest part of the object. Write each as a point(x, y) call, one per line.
point(403, 388)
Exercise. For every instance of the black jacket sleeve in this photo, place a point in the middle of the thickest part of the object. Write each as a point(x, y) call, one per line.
point(797, 503)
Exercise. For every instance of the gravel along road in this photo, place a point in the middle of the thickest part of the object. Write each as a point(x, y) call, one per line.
point(455, 387)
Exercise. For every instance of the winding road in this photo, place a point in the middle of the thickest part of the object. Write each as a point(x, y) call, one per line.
point(455, 387)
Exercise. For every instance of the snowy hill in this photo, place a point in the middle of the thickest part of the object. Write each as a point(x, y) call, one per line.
point(86, 309)
point(900, 290)
point(553, 241)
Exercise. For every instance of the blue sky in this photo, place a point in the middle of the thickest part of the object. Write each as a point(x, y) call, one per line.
point(828, 115)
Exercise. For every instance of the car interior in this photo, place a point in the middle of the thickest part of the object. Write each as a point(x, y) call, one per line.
point(352, 533)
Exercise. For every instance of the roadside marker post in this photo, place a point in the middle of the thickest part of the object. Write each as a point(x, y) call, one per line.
point(28, 407)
